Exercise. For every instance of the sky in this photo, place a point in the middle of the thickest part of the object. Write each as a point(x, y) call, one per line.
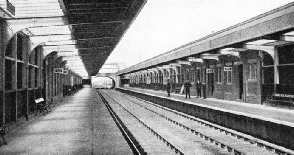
point(163, 25)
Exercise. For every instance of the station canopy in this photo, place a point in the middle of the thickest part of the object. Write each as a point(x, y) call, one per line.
point(83, 32)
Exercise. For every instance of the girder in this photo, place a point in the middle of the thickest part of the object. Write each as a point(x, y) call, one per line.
point(89, 29)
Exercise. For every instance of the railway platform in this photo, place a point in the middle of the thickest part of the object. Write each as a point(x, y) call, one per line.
point(278, 114)
point(80, 124)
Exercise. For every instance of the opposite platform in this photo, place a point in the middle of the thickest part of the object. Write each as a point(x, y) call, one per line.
point(81, 124)
point(278, 114)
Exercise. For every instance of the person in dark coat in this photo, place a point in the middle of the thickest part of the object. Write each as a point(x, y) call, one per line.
point(198, 88)
point(204, 90)
point(187, 86)
point(168, 88)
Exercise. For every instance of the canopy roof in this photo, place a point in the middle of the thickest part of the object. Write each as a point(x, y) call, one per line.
point(84, 32)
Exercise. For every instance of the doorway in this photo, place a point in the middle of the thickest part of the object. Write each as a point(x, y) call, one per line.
point(210, 84)
point(240, 73)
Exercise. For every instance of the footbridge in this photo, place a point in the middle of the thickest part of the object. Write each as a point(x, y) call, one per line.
point(109, 70)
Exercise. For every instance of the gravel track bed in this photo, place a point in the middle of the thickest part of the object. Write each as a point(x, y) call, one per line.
point(150, 143)
point(232, 141)
point(184, 140)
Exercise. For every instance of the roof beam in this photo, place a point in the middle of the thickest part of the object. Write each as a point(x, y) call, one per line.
point(17, 24)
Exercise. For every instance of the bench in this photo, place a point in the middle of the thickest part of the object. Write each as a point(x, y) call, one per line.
point(178, 90)
point(281, 100)
point(42, 106)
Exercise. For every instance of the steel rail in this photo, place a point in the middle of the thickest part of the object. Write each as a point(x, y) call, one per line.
point(262, 144)
point(131, 141)
point(177, 151)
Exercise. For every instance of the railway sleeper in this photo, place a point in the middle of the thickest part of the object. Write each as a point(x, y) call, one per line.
point(176, 150)
point(227, 132)
point(261, 145)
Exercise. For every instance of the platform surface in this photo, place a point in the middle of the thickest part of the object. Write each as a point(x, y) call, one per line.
point(79, 125)
point(279, 114)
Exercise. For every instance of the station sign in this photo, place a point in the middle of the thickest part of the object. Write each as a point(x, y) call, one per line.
point(233, 53)
point(183, 62)
point(58, 70)
point(210, 56)
point(284, 95)
point(195, 60)
point(227, 68)
point(209, 70)
point(65, 71)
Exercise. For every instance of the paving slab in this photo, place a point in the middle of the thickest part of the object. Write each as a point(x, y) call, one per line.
point(279, 114)
point(80, 124)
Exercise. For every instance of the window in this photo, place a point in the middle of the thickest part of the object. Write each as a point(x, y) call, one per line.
point(36, 56)
point(204, 75)
point(160, 77)
point(19, 47)
point(8, 74)
point(181, 73)
point(173, 75)
point(151, 77)
point(228, 74)
point(187, 75)
point(36, 77)
point(198, 74)
point(192, 75)
point(286, 75)
point(252, 68)
point(166, 73)
point(19, 75)
point(219, 74)
point(286, 64)
point(286, 54)
point(8, 51)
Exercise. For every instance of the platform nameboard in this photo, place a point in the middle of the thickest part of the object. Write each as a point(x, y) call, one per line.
point(227, 68)
point(209, 70)
point(195, 60)
point(210, 56)
point(233, 53)
point(58, 70)
point(65, 72)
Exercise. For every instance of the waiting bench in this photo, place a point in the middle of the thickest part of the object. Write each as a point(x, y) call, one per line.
point(281, 100)
point(42, 106)
point(178, 89)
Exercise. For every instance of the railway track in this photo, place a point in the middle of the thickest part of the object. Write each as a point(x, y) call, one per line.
point(142, 139)
point(176, 132)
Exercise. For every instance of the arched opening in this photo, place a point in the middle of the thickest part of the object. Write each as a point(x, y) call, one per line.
point(103, 82)
point(15, 73)
point(268, 75)
point(285, 72)
point(35, 77)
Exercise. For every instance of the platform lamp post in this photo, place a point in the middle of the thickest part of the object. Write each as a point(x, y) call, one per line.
point(2, 132)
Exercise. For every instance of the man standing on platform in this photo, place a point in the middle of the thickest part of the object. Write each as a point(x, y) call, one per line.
point(168, 88)
point(204, 90)
point(198, 88)
point(187, 86)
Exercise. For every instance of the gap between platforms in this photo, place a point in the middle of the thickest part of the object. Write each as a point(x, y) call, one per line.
point(277, 114)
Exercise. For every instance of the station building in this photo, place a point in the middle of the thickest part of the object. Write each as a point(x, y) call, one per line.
point(249, 62)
